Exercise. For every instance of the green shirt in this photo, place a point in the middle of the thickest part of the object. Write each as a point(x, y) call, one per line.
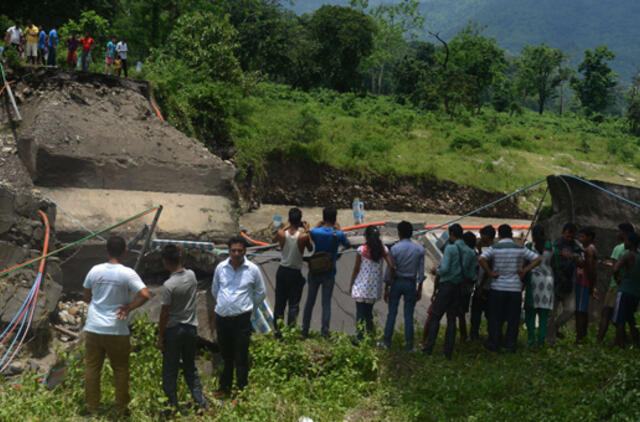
point(618, 252)
point(631, 279)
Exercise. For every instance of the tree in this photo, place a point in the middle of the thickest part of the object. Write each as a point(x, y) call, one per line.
point(475, 62)
point(540, 71)
point(595, 88)
point(345, 39)
point(414, 75)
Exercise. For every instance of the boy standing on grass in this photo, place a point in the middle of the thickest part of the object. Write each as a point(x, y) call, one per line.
point(178, 329)
point(87, 45)
point(481, 292)
point(586, 282)
point(627, 272)
point(624, 229)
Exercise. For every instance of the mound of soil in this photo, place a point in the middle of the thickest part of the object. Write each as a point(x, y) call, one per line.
point(306, 183)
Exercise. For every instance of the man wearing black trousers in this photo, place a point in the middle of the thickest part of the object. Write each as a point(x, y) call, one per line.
point(505, 296)
point(238, 288)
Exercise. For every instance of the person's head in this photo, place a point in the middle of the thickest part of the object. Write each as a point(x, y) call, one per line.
point(469, 239)
point(505, 232)
point(171, 257)
point(295, 217)
point(623, 230)
point(372, 237)
point(17, 24)
point(29, 23)
point(237, 249)
point(74, 34)
point(586, 235)
point(329, 215)
point(487, 235)
point(455, 232)
point(632, 241)
point(537, 233)
point(124, 39)
point(116, 247)
point(405, 230)
point(86, 34)
point(569, 233)
point(41, 28)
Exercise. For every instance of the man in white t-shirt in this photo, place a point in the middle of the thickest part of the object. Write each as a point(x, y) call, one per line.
point(108, 288)
point(14, 36)
point(122, 50)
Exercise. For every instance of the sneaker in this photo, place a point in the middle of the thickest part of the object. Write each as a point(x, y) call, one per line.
point(382, 345)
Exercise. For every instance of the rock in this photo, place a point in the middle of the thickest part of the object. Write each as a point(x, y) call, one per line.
point(15, 368)
point(74, 310)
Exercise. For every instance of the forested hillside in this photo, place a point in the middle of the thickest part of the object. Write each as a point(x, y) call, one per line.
point(570, 25)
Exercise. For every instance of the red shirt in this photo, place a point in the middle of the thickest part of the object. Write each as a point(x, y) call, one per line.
point(87, 43)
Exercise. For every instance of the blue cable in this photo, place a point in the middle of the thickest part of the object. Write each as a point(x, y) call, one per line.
point(21, 308)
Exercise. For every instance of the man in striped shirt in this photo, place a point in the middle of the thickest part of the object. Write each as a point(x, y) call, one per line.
point(505, 297)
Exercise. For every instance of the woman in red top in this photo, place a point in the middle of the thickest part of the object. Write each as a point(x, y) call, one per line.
point(87, 45)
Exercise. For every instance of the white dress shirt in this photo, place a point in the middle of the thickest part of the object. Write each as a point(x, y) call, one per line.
point(237, 291)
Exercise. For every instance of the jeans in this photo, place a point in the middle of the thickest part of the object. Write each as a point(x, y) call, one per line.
point(326, 281)
point(234, 337)
point(116, 348)
point(364, 316)
point(124, 67)
point(180, 343)
point(504, 307)
point(289, 285)
point(446, 301)
point(530, 321)
point(86, 59)
point(407, 289)
point(478, 307)
point(51, 58)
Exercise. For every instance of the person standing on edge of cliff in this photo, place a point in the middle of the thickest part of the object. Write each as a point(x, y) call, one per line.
point(407, 258)
point(628, 295)
point(567, 258)
point(108, 288)
point(13, 37)
point(624, 229)
point(42, 46)
point(289, 279)
point(87, 45)
point(505, 296)
point(53, 45)
point(327, 238)
point(31, 32)
point(238, 289)
point(72, 47)
point(178, 329)
point(479, 301)
point(110, 55)
point(122, 50)
point(586, 282)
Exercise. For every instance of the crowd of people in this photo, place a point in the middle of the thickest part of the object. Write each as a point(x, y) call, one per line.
point(38, 47)
point(484, 276)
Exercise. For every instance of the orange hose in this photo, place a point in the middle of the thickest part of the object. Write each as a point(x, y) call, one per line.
point(5, 85)
point(365, 225)
point(257, 242)
point(155, 107)
point(477, 227)
point(45, 248)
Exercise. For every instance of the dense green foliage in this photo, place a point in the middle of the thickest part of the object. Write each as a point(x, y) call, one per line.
point(335, 380)
point(595, 88)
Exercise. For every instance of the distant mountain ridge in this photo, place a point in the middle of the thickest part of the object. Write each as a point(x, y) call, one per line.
point(571, 25)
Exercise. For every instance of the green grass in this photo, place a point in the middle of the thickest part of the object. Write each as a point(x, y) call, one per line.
point(492, 151)
point(335, 381)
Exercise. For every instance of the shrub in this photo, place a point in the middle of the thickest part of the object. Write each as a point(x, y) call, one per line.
point(465, 142)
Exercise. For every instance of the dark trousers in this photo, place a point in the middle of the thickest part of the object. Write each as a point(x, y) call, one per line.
point(401, 287)
point(234, 336)
point(289, 285)
point(124, 67)
point(85, 58)
point(504, 307)
point(326, 281)
point(180, 344)
point(364, 318)
point(478, 307)
point(51, 58)
point(446, 302)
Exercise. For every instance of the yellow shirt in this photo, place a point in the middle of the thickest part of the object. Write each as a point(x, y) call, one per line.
point(32, 34)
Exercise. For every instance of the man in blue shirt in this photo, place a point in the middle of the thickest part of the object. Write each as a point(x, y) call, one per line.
point(238, 288)
point(53, 44)
point(42, 43)
point(408, 260)
point(456, 265)
point(327, 238)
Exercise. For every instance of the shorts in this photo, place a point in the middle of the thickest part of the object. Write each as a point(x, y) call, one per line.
point(626, 306)
point(108, 60)
point(582, 298)
point(32, 50)
point(610, 297)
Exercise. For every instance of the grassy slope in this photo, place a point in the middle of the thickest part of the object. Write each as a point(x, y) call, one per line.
point(334, 381)
point(492, 151)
